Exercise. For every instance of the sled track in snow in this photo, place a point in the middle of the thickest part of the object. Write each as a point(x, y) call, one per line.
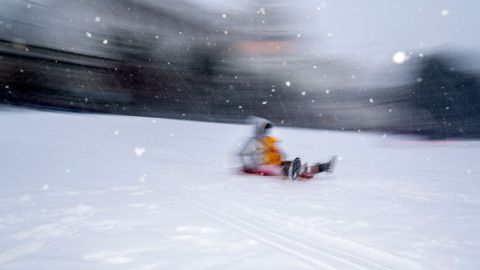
point(317, 255)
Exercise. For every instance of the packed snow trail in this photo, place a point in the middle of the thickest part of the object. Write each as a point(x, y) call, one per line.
point(94, 191)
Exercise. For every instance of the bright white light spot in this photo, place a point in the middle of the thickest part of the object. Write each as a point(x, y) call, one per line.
point(225, 32)
point(419, 80)
point(88, 34)
point(329, 34)
point(304, 93)
point(139, 151)
point(371, 100)
point(116, 132)
point(264, 102)
point(224, 16)
point(154, 121)
point(240, 107)
point(98, 19)
point(299, 35)
point(273, 90)
point(262, 11)
point(45, 187)
point(399, 57)
point(287, 83)
point(315, 67)
point(445, 12)
point(384, 136)
point(327, 91)
point(105, 41)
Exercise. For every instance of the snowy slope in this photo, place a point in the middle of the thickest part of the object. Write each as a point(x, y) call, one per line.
point(116, 192)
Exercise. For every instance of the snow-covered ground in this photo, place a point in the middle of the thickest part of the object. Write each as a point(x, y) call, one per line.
point(114, 192)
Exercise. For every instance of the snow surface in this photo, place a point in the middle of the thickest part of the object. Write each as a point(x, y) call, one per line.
point(114, 192)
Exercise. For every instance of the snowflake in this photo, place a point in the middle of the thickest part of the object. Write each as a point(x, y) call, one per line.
point(139, 151)
point(399, 57)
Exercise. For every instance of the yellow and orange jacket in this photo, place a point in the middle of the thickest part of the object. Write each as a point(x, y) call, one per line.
point(270, 153)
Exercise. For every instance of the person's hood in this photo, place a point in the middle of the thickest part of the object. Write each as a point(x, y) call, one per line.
point(261, 127)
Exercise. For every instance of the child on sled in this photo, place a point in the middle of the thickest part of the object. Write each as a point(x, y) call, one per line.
point(261, 155)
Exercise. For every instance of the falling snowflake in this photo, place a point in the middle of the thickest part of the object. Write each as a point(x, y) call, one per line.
point(105, 41)
point(399, 57)
point(445, 12)
point(288, 83)
point(88, 34)
point(139, 151)
point(98, 19)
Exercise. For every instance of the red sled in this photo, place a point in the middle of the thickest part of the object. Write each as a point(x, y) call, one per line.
point(304, 173)
point(273, 170)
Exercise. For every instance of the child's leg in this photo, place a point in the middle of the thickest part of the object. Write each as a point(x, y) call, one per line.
point(323, 167)
point(285, 167)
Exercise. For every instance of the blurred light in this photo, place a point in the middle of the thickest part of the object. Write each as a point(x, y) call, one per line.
point(399, 57)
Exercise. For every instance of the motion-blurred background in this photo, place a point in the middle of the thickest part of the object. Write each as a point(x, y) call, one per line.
point(391, 66)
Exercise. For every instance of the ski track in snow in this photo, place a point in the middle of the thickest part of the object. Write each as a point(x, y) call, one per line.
point(314, 254)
